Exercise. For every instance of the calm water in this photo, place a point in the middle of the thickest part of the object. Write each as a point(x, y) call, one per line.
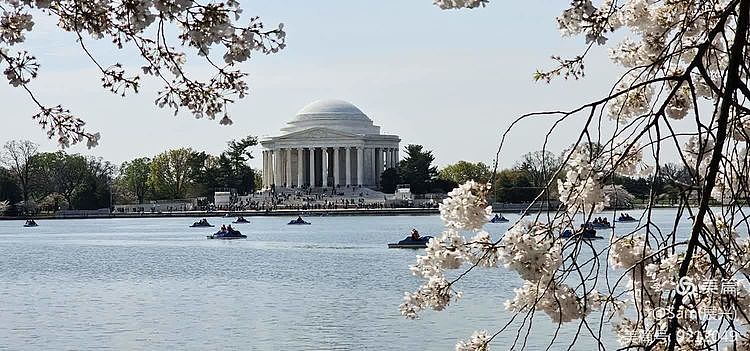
point(155, 284)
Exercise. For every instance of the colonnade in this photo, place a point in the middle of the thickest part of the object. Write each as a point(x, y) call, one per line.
point(322, 166)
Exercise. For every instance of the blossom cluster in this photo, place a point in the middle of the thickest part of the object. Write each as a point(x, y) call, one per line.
point(466, 206)
point(663, 39)
point(582, 189)
point(203, 26)
point(478, 342)
point(464, 209)
point(536, 253)
point(676, 53)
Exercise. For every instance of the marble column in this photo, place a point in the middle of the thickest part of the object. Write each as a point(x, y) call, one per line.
point(276, 166)
point(373, 165)
point(336, 169)
point(300, 167)
point(378, 156)
point(312, 167)
point(265, 183)
point(380, 164)
point(265, 172)
point(348, 166)
point(360, 165)
point(288, 178)
point(324, 155)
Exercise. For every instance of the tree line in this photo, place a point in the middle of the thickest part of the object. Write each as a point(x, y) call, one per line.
point(49, 181)
point(33, 181)
point(533, 173)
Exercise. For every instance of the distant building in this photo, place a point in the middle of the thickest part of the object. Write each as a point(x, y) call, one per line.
point(403, 193)
point(222, 198)
point(329, 143)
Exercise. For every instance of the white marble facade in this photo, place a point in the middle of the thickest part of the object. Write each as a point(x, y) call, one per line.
point(330, 143)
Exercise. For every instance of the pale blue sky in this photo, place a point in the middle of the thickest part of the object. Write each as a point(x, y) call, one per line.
point(449, 80)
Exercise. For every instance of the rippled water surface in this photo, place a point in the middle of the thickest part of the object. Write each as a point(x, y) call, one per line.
point(155, 284)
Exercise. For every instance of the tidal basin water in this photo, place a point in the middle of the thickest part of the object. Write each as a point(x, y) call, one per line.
point(155, 284)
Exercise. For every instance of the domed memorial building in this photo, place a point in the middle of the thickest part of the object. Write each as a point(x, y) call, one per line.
point(330, 143)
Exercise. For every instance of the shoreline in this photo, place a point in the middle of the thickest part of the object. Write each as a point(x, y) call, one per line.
point(214, 214)
point(404, 211)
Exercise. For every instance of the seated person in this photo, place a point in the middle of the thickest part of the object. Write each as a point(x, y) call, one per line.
point(229, 229)
point(414, 234)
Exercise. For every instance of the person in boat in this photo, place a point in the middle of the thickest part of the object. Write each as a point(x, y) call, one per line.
point(229, 229)
point(605, 222)
point(299, 220)
point(581, 229)
point(223, 228)
point(589, 231)
point(414, 234)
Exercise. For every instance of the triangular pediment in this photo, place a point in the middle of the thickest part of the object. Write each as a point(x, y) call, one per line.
point(318, 133)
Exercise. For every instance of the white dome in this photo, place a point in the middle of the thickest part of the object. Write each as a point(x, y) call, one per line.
point(331, 109)
point(332, 114)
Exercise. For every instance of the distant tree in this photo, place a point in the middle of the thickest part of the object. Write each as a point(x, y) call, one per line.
point(17, 156)
point(134, 177)
point(96, 190)
point(463, 171)
point(9, 189)
point(68, 175)
point(416, 168)
point(121, 193)
point(438, 185)
point(618, 197)
point(513, 185)
point(52, 202)
point(238, 151)
point(540, 167)
point(675, 173)
point(240, 176)
point(389, 180)
point(207, 174)
point(170, 175)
